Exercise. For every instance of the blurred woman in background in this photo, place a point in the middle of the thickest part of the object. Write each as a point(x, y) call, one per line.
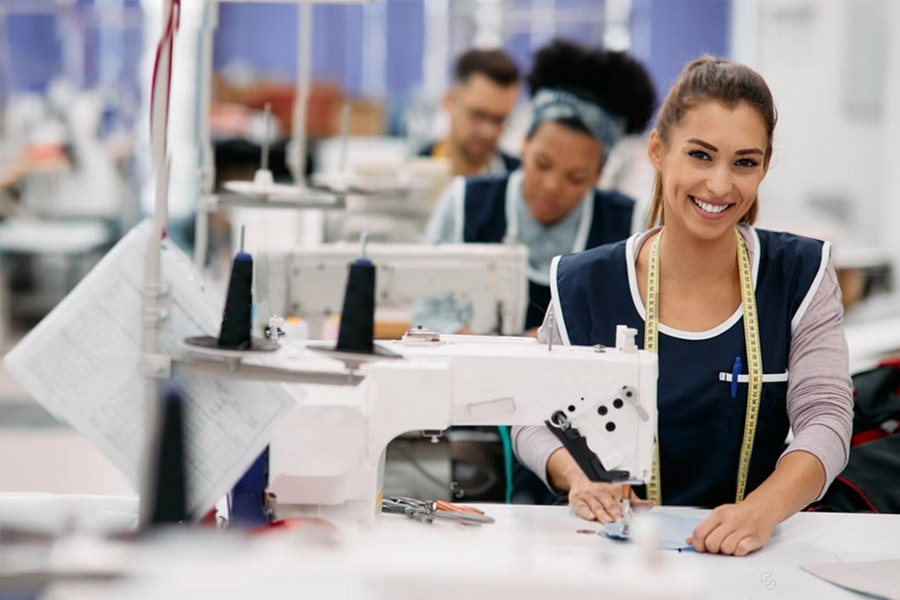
point(550, 204)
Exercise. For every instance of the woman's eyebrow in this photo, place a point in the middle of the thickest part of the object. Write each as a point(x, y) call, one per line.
point(712, 148)
point(706, 145)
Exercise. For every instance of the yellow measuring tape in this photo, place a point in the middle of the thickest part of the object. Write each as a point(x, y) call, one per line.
point(754, 359)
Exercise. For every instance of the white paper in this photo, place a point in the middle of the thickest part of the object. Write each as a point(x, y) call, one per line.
point(82, 363)
point(880, 579)
point(674, 529)
point(671, 530)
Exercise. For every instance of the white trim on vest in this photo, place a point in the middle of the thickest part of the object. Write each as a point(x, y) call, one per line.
point(631, 260)
point(458, 191)
point(587, 218)
point(513, 193)
point(751, 235)
point(496, 166)
point(557, 307)
point(811, 293)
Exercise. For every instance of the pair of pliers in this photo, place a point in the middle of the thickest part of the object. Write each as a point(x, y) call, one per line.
point(450, 507)
point(428, 511)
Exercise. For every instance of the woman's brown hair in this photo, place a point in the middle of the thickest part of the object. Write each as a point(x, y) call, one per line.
point(708, 78)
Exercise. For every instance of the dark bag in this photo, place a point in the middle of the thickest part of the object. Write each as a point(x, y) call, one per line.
point(871, 480)
point(876, 402)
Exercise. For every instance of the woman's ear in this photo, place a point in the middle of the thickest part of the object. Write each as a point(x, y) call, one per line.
point(655, 150)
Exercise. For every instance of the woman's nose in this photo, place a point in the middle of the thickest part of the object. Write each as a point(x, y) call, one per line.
point(551, 183)
point(719, 181)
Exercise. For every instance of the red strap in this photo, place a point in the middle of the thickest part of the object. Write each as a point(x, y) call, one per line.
point(294, 524)
point(167, 39)
point(869, 435)
point(889, 361)
point(209, 519)
point(856, 489)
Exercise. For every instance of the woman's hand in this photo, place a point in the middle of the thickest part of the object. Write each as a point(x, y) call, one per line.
point(599, 501)
point(734, 529)
point(739, 529)
point(590, 500)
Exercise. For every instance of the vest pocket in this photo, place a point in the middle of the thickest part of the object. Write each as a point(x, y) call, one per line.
point(744, 378)
point(774, 389)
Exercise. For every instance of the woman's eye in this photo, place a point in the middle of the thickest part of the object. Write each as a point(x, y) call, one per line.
point(746, 162)
point(699, 154)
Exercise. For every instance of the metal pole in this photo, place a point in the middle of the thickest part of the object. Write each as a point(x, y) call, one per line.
point(304, 77)
point(204, 137)
point(153, 286)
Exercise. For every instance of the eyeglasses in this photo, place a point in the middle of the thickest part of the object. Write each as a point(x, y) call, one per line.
point(480, 116)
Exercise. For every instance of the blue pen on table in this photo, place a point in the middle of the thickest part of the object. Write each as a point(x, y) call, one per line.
point(735, 373)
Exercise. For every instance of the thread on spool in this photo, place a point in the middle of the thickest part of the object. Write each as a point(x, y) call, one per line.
point(358, 313)
point(169, 489)
point(236, 320)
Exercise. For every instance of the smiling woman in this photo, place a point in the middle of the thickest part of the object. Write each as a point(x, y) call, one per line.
point(734, 88)
point(714, 162)
point(734, 312)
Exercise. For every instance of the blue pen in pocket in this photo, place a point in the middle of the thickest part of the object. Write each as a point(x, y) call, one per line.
point(735, 374)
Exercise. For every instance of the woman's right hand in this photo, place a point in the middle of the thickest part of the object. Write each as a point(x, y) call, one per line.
point(590, 500)
point(597, 501)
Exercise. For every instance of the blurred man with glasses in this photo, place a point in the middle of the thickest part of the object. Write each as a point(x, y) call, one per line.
point(486, 85)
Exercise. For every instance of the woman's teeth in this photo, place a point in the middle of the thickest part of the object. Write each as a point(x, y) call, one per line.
point(710, 208)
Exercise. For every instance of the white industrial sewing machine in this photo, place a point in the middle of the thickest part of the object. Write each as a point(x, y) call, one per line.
point(328, 458)
point(493, 278)
point(601, 402)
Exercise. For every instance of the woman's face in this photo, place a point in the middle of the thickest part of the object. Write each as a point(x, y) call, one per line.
point(559, 165)
point(711, 167)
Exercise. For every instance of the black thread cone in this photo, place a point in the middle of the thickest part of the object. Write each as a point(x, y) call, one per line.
point(236, 323)
point(358, 314)
point(168, 486)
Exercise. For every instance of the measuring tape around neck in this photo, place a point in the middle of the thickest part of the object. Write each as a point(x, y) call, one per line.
point(752, 347)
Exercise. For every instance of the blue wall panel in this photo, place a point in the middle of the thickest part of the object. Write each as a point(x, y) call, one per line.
point(678, 31)
point(35, 52)
point(405, 47)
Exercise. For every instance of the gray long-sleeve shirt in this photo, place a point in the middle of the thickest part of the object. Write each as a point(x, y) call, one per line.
point(819, 400)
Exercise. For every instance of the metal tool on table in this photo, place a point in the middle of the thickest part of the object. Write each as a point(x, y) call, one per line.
point(428, 510)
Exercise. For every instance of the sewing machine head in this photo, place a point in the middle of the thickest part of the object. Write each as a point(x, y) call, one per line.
point(327, 458)
point(493, 278)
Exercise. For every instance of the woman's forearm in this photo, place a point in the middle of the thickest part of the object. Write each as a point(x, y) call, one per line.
point(561, 467)
point(796, 482)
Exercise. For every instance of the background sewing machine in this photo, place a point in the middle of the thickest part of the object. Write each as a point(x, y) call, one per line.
point(327, 456)
point(492, 279)
point(310, 283)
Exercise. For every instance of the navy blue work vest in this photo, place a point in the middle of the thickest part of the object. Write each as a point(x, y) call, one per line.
point(484, 221)
point(700, 423)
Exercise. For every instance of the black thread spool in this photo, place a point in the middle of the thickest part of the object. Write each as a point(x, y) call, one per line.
point(357, 330)
point(169, 502)
point(236, 321)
